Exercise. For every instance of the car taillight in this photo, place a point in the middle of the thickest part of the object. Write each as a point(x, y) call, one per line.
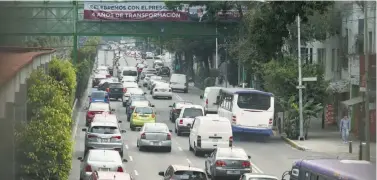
point(230, 141)
point(107, 90)
point(143, 136)
point(270, 121)
point(124, 90)
point(90, 113)
point(220, 163)
point(91, 136)
point(181, 121)
point(246, 164)
point(108, 75)
point(207, 101)
point(153, 115)
point(120, 169)
point(234, 120)
point(168, 137)
point(88, 168)
point(199, 141)
point(117, 137)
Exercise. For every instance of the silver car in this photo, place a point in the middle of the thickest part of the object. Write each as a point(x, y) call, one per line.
point(155, 135)
point(104, 135)
point(228, 162)
point(100, 160)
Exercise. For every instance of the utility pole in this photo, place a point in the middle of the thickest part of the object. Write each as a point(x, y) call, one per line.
point(366, 74)
point(300, 86)
point(239, 72)
point(217, 51)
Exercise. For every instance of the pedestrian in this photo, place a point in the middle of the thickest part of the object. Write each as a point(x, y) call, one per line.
point(345, 126)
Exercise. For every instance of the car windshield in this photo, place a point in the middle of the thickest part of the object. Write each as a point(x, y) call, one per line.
point(115, 85)
point(254, 101)
point(192, 112)
point(189, 175)
point(129, 73)
point(156, 128)
point(98, 95)
point(104, 130)
point(144, 110)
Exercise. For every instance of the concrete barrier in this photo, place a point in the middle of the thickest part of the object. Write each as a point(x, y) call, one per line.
point(293, 143)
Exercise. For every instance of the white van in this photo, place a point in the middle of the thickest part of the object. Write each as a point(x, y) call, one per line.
point(129, 71)
point(209, 99)
point(208, 133)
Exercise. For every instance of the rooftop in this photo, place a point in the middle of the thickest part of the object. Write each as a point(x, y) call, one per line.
point(13, 59)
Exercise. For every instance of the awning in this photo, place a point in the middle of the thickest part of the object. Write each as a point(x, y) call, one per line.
point(353, 101)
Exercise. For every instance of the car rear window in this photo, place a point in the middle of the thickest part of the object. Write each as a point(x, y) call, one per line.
point(129, 73)
point(115, 85)
point(192, 112)
point(189, 175)
point(144, 110)
point(155, 128)
point(99, 107)
point(231, 153)
point(98, 95)
point(104, 130)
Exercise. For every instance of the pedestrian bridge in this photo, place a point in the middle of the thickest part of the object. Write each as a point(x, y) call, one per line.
point(50, 18)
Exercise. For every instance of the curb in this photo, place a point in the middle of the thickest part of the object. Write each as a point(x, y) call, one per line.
point(293, 144)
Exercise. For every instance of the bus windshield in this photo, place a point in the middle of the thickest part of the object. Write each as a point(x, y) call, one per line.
point(254, 101)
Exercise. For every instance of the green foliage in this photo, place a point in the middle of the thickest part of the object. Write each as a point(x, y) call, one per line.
point(209, 81)
point(44, 147)
point(63, 71)
point(44, 91)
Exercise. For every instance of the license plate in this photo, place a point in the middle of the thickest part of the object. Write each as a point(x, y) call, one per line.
point(233, 172)
point(116, 89)
point(215, 140)
point(105, 140)
point(104, 169)
point(163, 90)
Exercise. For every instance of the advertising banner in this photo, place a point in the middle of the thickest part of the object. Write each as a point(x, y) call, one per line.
point(147, 11)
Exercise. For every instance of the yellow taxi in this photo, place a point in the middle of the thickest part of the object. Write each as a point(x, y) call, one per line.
point(141, 115)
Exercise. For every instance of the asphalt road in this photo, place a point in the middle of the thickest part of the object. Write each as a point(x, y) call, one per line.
point(271, 157)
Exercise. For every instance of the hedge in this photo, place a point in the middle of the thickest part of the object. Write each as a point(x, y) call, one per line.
point(44, 146)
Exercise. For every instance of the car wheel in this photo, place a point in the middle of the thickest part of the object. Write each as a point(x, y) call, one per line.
point(190, 148)
point(196, 152)
point(179, 132)
point(132, 127)
point(121, 154)
point(141, 148)
point(85, 152)
point(154, 97)
point(170, 98)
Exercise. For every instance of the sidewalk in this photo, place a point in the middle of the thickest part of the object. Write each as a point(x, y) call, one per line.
point(328, 141)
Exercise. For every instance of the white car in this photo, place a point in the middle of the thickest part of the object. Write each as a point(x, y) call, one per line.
point(162, 90)
point(128, 79)
point(152, 79)
point(186, 118)
point(130, 85)
point(131, 91)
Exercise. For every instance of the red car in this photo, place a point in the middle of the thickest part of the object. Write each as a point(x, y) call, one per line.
point(97, 108)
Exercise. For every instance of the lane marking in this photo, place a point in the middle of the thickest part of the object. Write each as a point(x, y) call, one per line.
point(136, 173)
point(131, 159)
point(126, 146)
point(179, 148)
point(188, 160)
point(178, 97)
point(256, 168)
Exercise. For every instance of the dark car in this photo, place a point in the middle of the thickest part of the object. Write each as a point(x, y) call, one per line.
point(180, 172)
point(164, 71)
point(176, 109)
point(115, 90)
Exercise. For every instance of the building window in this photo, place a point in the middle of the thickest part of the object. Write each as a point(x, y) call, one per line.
point(333, 60)
point(321, 56)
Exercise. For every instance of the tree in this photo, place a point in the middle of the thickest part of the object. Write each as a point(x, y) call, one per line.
point(63, 71)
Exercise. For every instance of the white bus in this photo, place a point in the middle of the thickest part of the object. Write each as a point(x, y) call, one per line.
point(248, 110)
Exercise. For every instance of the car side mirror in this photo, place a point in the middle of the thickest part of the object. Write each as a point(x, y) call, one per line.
point(161, 173)
point(123, 131)
point(249, 157)
point(83, 129)
point(170, 106)
point(201, 96)
point(80, 158)
point(152, 105)
point(119, 121)
point(124, 160)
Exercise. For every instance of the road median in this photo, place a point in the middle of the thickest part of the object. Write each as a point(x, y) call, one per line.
point(293, 143)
